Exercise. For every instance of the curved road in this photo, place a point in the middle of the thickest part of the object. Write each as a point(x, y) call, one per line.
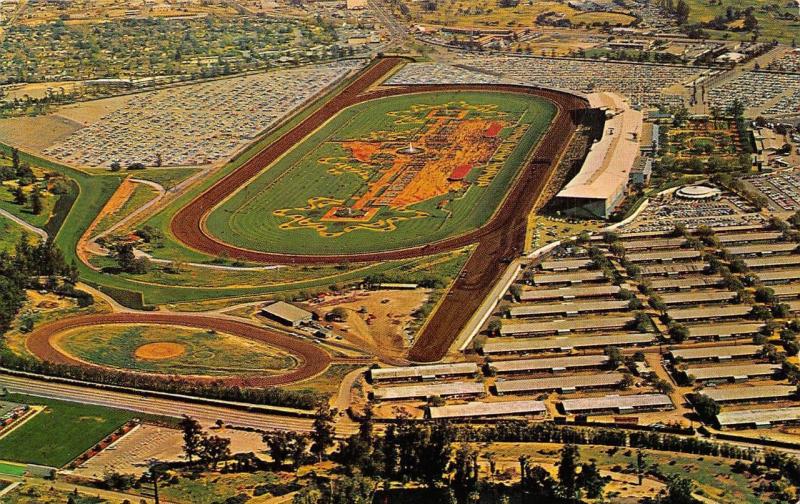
point(312, 359)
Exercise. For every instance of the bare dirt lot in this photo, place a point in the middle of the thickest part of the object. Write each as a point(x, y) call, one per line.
point(36, 133)
point(376, 319)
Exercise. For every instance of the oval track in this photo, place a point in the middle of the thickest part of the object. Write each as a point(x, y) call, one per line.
point(188, 223)
point(312, 359)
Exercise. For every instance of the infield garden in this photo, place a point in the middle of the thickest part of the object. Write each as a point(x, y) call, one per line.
point(386, 174)
point(172, 350)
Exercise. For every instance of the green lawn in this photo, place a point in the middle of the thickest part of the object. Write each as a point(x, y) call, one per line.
point(204, 353)
point(274, 212)
point(11, 232)
point(141, 195)
point(12, 469)
point(60, 433)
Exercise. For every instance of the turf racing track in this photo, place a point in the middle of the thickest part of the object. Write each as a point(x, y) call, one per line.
point(312, 359)
point(499, 240)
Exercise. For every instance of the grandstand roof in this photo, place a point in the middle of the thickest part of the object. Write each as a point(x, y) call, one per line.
point(606, 168)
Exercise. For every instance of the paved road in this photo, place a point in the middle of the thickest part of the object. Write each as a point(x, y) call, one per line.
point(33, 229)
point(153, 405)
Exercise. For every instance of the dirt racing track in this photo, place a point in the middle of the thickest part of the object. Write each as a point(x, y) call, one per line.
point(311, 359)
point(499, 240)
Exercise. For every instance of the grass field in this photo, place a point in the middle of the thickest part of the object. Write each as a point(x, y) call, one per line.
point(11, 232)
point(277, 214)
point(488, 14)
point(141, 195)
point(77, 427)
point(186, 351)
point(770, 26)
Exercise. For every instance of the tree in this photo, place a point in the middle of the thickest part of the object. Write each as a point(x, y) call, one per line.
point(678, 333)
point(36, 202)
point(15, 159)
point(567, 472)
point(465, 471)
point(614, 355)
point(215, 449)
point(192, 437)
point(323, 430)
point(750, 22)
point(590, 480)
point(115, 166)
point(538, 483)
point(705, 407)
point(19, 195)
point(679, 490)
point(641, 465)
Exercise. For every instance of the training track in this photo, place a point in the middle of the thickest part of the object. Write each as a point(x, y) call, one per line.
point(312, 359)
point(498, 241)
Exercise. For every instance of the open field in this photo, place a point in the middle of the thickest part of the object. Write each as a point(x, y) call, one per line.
point(770, 26)
point(77, 427)
point(311, 360)
point(10, 234)
point(486, 14)
point(172, 350)
point(360, 185)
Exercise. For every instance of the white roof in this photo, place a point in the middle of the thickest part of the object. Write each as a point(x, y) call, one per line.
point(572, 276)
point(760, 416)
point(433, 389)
point(393, 373)
point(758, 248)
point(479, 409)
point(616, 402)
point(741, 371)
point(569, 292)
point(534, 344)
point(745, 393)
point(724, 329)
point(559, 308)
point(287, 311)
point(558, 383)
point(606, 169)
point(709, 312)
point(569, 324)
point(716, 351)
point(572, 361)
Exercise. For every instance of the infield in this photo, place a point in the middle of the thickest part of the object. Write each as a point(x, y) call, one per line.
point(386, 174)
point(172, 350)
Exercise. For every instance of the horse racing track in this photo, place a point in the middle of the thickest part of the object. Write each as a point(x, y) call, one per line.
point(307, 359)
point(499, 235)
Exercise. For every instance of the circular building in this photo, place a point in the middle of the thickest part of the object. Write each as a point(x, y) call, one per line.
point(698, 192)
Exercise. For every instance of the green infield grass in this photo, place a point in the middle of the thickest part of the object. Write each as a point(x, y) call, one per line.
point(173, 350)
point(77, 427)
point(328, 196)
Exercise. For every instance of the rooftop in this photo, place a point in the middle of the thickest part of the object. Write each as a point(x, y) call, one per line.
point(710, 312)
point(758, 417)
point(287, 312)
point(724, 329)
point(745, 393)
point(560, 308)
point(721, 352)
point(568, 382)
point(429, 390)
point(740, 371)
point(433, 370)
point(569, 292)
point(482, 409)
point(563, 325)
point(616, 402)
point(566, 342)
point(572, 361)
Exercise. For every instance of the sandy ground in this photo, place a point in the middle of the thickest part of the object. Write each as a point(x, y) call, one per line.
point(36, 133)
point(92, 111)
point(130, 455)
point(380, 327)
point(39, 89)
point(120, 196)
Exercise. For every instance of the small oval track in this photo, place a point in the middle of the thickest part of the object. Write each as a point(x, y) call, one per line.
point(312, 360)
